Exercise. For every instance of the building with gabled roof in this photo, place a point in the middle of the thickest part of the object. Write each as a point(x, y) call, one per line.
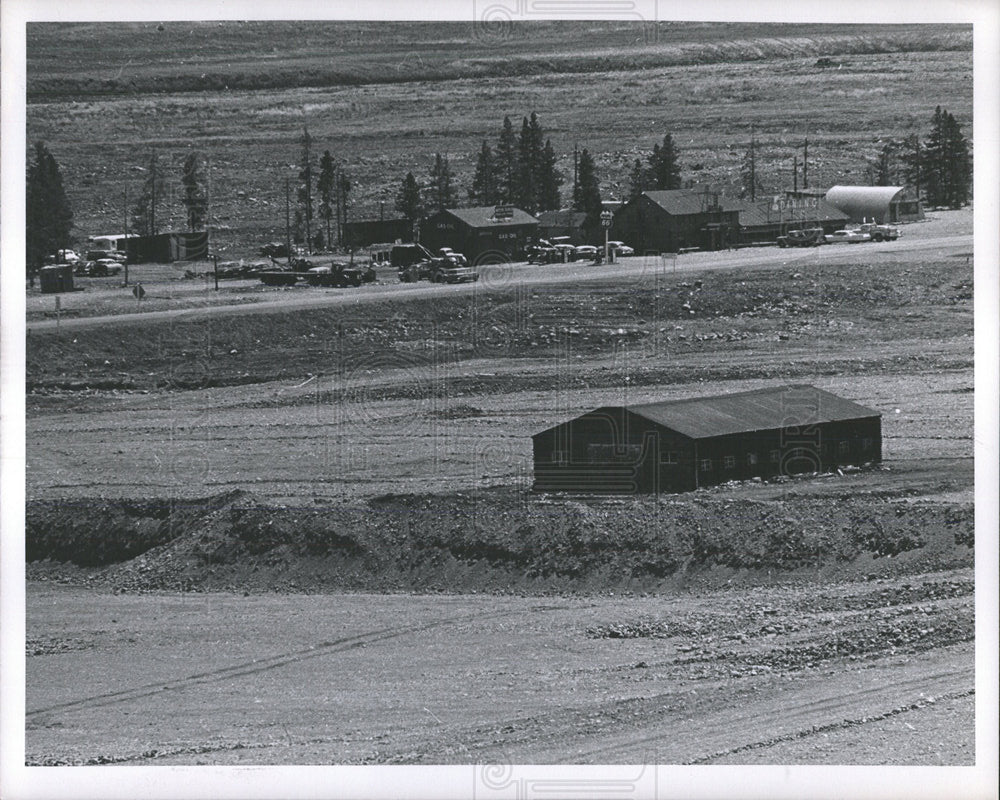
point(680, 445)
point(672, 220)
point(486, 234)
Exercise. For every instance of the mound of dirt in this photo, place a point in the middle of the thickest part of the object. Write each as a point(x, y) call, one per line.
point(498, 540)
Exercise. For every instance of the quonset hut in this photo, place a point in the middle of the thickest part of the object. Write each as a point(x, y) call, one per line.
point(884, 204)
point(680, 445)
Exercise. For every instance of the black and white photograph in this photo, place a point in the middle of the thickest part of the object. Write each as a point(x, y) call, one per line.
point(421, 394)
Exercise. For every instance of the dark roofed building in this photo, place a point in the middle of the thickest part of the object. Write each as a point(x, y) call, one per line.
point(679, 445)
point(562, 223)
point(765, 220)
point(678, 219)
point(482, 234)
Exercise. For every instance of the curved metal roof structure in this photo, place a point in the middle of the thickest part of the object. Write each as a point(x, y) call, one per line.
point(864, 202)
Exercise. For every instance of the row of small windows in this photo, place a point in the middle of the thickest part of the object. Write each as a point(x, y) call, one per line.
point(610, 453)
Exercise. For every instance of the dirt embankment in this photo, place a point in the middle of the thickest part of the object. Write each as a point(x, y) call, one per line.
point(494, 540)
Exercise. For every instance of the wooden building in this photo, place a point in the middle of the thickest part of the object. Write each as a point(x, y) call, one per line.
point(678, 219)
point(680, 445)
point(487, 234)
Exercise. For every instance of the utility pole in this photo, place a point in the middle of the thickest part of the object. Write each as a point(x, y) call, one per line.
point(805, 164)
point(753, 167)
point(576, 169)
point(795, 173)
point(288, 223)
point(125, 215)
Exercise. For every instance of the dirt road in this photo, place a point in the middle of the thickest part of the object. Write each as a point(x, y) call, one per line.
point(718, 677)
point(638, 272)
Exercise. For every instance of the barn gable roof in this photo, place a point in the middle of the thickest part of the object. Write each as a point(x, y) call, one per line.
point(482, 217)
point(772, 408)
point(682, 202)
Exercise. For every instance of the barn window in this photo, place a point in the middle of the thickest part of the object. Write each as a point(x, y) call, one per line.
point(751, 459)
point(668, 457)
point(775, 456)
point(844, 447)
point(729, 462)
point(706, 465)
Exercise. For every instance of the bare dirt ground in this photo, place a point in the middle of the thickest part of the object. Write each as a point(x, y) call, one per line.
point(812, 672)
point(309, 537)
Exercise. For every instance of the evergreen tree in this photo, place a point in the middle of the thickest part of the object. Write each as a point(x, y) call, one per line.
point(750, 182)
point(665, 172)
point(484, 188)
point(527, 190)
point(947, 169)
point(195, 197)
point(326, 186)
point(549, 180)
point(344, 187)
point(912, 159)
point(638, 181)
point(48, 216)
point(588, 194)
point(305, 190)
point(441, 193)
point(150, 196)
point(506, 164)
point(883, 165)
point(408, 200)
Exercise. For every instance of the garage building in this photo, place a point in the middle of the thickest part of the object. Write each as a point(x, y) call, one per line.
point(487, 234)
point(680, 445)
point(884, 204)
point(672, 220)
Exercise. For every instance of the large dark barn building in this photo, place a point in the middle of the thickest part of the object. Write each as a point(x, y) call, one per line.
point(680, 445)
point(678, 219)
point(482, 234)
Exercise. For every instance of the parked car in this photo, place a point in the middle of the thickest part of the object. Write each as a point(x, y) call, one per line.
point(620, 248)
point(806, 237)
point(542, 253)
point(564, 251)
point(879, 233)
point(63, 257)
point(847, 236)
point(584, 252)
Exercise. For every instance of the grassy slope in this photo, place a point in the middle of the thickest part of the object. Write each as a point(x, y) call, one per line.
point(600, 85)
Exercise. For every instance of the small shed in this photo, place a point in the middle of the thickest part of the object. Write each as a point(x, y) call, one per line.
point(680, 445)
point(56, 278)
point(365, 232)
point(884, 204)
point(678, 219)
point(485, 234)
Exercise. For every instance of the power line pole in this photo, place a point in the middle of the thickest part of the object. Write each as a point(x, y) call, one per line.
point(288, 231)
point(805, 164)
point(795, 173)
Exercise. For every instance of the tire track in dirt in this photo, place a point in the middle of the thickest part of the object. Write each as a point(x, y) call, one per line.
point(253, 667)
point(794, 717)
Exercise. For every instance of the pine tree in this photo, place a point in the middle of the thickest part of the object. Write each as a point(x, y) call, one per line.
point(749, 179)
point(195, 198)
point(441, 193)
point(638, 181)
point(150, 196)
point(957, 164)
point(549, 180)
point(344, 187)
point(305, 190)
point(912, 158)
point(326, 186)
point(506, 164)
point(527, 191)
point(48, 216)
point(884, 165)
point(484, 189)
point(665, 172)
point(588, 194)
point(408, 200)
